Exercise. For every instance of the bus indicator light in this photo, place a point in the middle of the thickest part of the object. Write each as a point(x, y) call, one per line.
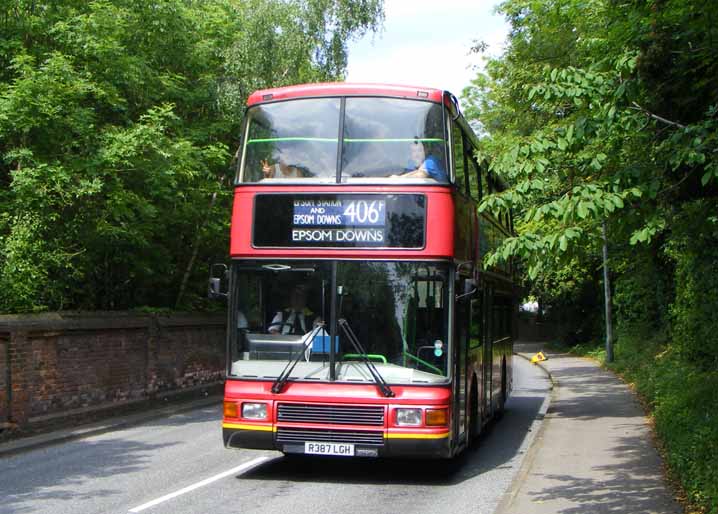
point(436, 417)
point(230, 410)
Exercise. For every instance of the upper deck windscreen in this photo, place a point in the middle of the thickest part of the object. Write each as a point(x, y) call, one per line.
point(298, 140)
point(292, 140)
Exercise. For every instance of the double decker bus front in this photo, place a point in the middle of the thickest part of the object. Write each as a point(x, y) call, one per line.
point(341, 280)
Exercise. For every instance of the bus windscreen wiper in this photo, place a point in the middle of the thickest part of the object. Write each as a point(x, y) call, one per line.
point(383, 386)
point(278, 384)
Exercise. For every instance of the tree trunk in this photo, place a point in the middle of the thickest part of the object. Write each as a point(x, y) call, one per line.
point(195, 251)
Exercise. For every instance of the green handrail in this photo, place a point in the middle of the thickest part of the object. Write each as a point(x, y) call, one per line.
point(346, 140)
point(422, 361)
point(394, 140)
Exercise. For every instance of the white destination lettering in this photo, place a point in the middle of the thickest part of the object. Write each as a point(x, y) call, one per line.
point(304, 219)
point(361, 236)
point(308, 236)
point(329, 219)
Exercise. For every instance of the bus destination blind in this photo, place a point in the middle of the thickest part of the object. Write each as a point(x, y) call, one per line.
point(339, 220)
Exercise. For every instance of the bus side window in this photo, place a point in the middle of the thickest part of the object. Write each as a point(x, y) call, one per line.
point(474, 178)
point(459, 158)
point(476, 334)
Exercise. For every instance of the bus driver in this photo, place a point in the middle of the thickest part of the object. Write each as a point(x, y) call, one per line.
point(297, 319)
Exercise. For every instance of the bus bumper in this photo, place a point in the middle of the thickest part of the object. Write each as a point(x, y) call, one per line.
point(251, 439)
point(405, 447)
point(418, 448)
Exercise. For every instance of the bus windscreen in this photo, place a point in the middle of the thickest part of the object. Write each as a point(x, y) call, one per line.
point(389, 137)
point(396, 310)
point(292, 140)
point(298, 140)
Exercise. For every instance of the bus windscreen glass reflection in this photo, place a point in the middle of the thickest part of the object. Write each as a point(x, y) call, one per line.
point(292, 140)
point(397, 310)
point(382, 137)
point(386, 137)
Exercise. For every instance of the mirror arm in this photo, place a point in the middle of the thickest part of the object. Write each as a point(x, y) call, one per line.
point(470, 293)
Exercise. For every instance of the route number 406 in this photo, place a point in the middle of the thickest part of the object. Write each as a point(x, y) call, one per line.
point(365, 211)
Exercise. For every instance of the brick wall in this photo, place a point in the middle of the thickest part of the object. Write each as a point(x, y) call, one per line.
point(70, 363)
point(4, 368)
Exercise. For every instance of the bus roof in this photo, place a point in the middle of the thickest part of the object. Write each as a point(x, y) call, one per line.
point(345, 89)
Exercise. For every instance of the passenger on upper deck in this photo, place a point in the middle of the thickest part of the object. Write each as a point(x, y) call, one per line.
point(421, 165)
point(280, 170)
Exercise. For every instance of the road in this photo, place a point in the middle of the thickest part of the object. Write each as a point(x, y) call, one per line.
point(178, 465)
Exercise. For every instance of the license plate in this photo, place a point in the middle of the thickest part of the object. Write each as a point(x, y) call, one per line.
point(319, 448)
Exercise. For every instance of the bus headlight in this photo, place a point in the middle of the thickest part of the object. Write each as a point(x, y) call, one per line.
point(408, 417)
point(254, 410)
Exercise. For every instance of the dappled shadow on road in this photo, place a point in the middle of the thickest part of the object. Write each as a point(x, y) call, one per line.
point(630, 486)
point(593, 393)
point(28, 483)
point(497, 447)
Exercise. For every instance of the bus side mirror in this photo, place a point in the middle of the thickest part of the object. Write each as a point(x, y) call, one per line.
point(216, 273)
point(470, 288)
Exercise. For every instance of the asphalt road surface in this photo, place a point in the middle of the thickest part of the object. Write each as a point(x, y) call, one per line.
point(178, 465)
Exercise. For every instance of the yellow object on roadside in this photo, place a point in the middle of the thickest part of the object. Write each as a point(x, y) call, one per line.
point(538, 358)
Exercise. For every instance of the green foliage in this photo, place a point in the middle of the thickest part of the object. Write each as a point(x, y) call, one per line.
point(599, 112)
point(644, 291)
point(118, 120)
point(577, 129)
point(693, 312)
point(683, 402)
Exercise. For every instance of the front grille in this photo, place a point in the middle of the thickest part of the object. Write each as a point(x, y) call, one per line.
point(368, 415)
point(300, 435)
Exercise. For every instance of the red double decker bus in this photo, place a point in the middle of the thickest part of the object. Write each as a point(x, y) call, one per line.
point(360, 320)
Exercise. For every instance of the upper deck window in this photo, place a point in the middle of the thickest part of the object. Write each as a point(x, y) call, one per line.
point(292, 140)
point(383, 138)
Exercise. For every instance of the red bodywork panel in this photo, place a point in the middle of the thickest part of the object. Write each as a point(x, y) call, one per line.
point(323, 391)
point(345, 89)
point(343, 394)
point(439, 224)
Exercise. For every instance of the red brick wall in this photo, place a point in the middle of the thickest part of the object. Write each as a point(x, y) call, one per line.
point(62, 363)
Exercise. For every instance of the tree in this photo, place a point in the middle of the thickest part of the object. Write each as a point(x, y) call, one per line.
point(606, 112)
point(581, 123)
point(118, 120)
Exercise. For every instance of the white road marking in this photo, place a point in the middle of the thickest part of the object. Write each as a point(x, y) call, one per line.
point(239, 469)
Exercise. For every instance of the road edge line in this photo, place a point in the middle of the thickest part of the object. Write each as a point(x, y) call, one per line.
point(237, 469)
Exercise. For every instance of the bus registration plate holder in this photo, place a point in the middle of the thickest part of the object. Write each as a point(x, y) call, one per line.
point(320, 448)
